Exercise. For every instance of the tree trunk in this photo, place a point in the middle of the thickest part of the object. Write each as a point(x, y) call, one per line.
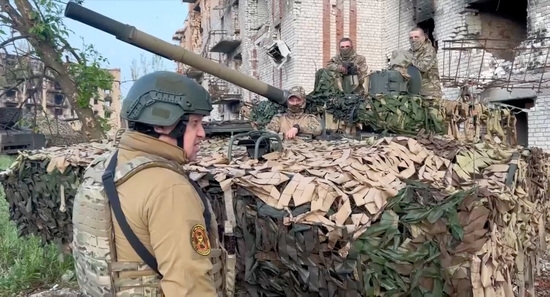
point(22, 22)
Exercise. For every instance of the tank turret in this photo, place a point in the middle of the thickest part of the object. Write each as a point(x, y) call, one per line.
point(133, 36)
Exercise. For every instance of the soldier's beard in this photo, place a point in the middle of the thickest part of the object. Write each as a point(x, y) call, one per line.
point(416, 44)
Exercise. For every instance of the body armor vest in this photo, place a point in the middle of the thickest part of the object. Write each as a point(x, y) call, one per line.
point(98, 272)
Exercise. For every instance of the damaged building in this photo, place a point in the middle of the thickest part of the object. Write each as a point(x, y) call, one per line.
point(495, 50)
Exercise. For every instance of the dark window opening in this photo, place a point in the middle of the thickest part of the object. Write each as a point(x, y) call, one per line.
point(522, 127)
point(513, 10)
point(429, 26)
point(503, 26)
point(58, 112)
point(58, 99)
point(10, 93)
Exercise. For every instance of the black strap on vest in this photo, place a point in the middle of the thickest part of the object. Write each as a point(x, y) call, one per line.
point(108, 178)
point(110, 189)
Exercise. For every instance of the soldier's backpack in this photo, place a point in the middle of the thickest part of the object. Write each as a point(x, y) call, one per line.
point(97, 273)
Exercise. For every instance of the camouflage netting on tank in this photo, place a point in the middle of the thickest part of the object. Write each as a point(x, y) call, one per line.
point(57, 132)
point(430, 217)
point(40, 187)
point(401, 217)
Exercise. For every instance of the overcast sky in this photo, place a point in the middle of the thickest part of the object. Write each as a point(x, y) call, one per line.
point(160, 18)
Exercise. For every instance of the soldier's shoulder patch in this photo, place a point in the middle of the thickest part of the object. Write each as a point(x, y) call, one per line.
point(199, 240)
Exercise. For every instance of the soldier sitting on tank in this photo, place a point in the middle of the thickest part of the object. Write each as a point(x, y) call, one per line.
point(424, 57)
point(349, 67)
point(162, 238)
point(295, 121)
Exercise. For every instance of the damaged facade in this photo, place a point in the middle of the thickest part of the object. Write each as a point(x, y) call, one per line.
point(496, 50)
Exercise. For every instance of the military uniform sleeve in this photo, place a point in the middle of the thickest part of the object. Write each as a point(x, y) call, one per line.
point(312, 126)
point(426, 60)
point(362, 66)
point(333, 64)
point(174, 217)
point(274, 125)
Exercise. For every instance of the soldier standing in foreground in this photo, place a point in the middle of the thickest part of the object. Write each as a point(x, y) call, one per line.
point(425, 59)
point(162, 237)
point(350, 67)
point(295, 121)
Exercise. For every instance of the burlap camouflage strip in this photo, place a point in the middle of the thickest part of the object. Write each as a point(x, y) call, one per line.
point(280, 206)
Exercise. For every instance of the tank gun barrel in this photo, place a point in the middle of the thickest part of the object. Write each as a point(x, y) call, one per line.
point(135, 37)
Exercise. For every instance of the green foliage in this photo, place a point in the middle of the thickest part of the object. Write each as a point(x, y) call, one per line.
point(85, 65)
point(25, 263)
point(89, 77)
point(105, 123)
point(393, 262)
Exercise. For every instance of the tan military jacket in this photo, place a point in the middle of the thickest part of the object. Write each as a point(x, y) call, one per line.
point(309, 124)
point(425, 59)
point(359, 60)
point(162, 208)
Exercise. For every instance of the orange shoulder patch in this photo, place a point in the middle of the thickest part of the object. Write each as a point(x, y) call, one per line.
point(199, 240)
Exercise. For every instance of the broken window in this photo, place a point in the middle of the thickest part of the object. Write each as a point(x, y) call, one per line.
point(429, 26)
point(279, 52)
point(58, 99)
point(58, 111)
point(503, 25)
point(10, 93)
point(521, 114)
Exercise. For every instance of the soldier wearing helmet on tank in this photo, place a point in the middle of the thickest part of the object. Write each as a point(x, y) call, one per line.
point(295, 121)
point(163, 239)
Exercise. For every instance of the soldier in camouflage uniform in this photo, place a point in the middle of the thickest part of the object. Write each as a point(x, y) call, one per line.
point(424, 58)
point(295, 121)
point(162, 238)
point(348, 63)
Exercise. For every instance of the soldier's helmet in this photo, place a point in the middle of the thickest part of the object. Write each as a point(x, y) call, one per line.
point(162, 98)
point(299, 92)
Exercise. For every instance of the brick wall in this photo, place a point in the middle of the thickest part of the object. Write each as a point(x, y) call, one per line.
point(301, 27)
point(311, 29)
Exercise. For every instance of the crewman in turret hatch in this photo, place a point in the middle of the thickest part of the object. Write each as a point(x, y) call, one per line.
point(294, 121)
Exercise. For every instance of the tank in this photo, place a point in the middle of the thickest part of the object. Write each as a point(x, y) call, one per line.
point(135, 37)
point(131, 35)
point(14, 138)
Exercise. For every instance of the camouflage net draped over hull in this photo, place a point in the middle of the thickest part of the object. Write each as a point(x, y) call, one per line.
point(428, 215)
point(40, 189)
point(57, 132)
point(431, 217)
